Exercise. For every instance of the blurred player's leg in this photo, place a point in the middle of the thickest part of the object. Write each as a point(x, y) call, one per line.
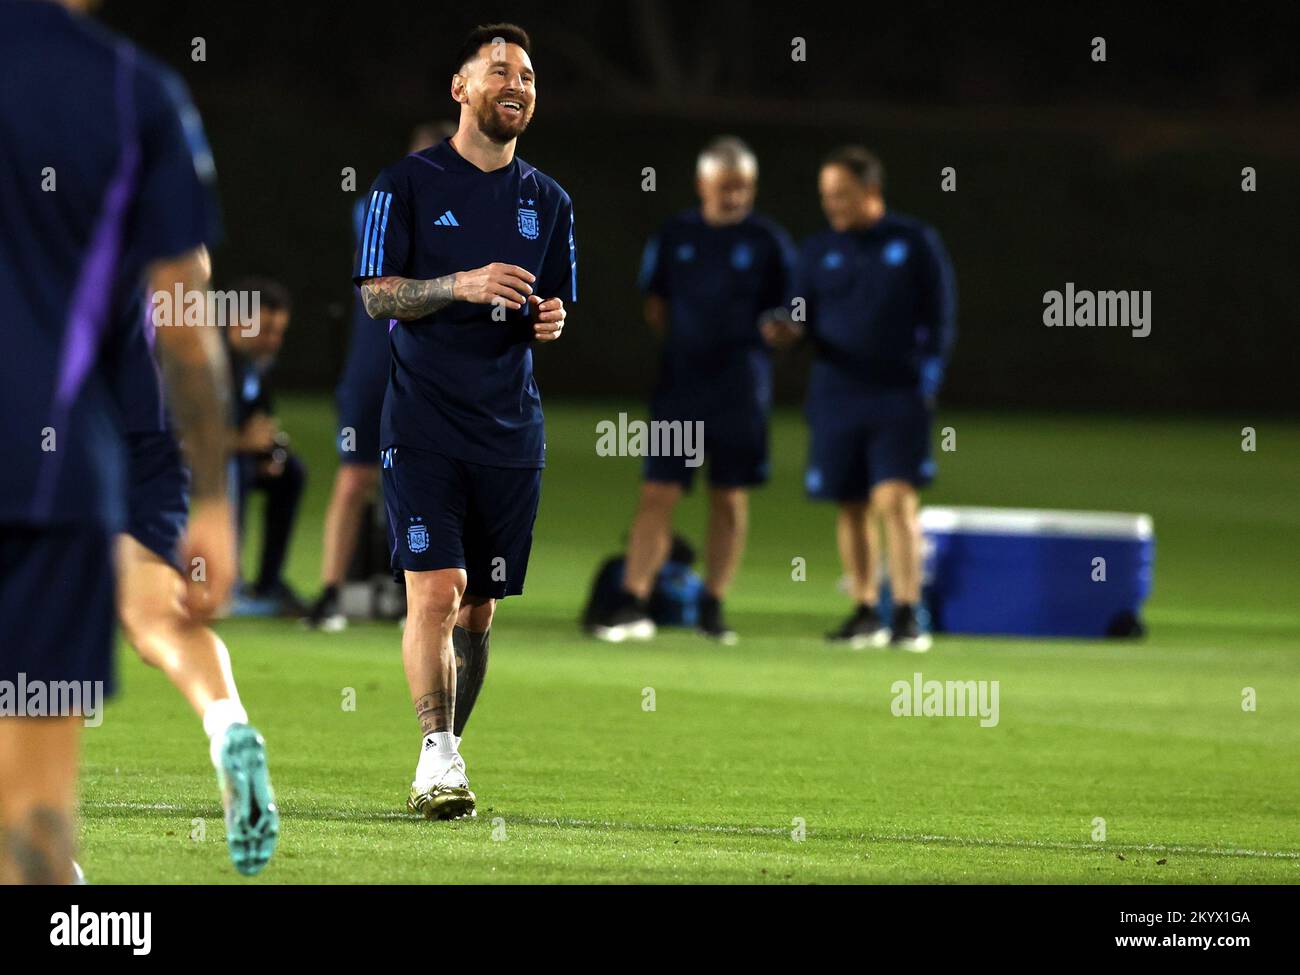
point(354, 487)
point(857, 534)
point(283, 486)
point(156, 623)
point(56, 630)
point(648, 545)
point(37, 810)
point(440, 789)
point(899, 510)
point(859, 545)
point(728, 526)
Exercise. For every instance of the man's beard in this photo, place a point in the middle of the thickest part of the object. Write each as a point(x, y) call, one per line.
point(499, 131)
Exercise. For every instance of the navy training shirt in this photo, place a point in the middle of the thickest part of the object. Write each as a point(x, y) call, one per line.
point(134, 371)
point(365, 371)
point(881, 310)
point(251, 382)
point(717, 281)
point(103, 169)
point(460, 383)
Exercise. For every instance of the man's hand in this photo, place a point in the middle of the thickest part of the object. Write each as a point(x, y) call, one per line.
point(780, 333)
point(208, 556)
point(259, 434)
point(549, 322)
point(505, 283)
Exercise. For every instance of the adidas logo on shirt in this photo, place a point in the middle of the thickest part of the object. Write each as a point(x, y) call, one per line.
point(448, 219)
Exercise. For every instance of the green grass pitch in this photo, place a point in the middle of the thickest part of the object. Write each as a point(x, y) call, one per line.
point(577, 782)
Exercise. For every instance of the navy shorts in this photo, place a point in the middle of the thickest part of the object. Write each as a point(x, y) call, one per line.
point(445, 513)
point(159, 494)
point(854, 448)
point(57, 609)
point(735, 448)
point(360, 413)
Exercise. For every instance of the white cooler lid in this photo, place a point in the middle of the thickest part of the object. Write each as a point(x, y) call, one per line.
point(1035, 521)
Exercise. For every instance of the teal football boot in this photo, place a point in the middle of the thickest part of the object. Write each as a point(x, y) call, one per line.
point(252, 819)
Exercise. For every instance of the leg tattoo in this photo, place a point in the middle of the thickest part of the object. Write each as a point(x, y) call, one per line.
point(471, 669)
point(433, 710)
point(40, 847)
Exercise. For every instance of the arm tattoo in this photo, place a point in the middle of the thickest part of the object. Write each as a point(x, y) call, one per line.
point(404, 298)
point(434, 711)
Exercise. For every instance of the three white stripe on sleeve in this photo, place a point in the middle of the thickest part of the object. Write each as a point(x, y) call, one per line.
point(372, 240)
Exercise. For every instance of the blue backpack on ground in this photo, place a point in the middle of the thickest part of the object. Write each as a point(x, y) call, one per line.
point(675, 600)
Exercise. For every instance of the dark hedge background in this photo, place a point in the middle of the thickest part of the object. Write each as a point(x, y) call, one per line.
point(1122, 175)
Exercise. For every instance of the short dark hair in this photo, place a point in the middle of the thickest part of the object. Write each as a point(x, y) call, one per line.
point(487, 34)
point(271, 293)
point(864, 164)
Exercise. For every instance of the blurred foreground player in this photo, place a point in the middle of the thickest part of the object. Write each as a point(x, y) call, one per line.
point(151, 607)
point(467, 249)
point(710, 276)
point(117, 190)
point(881, 315)
point(360, 401)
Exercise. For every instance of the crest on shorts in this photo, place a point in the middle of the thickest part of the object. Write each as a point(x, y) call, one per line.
point(528, 226)
point(417, 536)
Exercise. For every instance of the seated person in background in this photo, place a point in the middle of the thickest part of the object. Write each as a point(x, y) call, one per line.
point(261, 449)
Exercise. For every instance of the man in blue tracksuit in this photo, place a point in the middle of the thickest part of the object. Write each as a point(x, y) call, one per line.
point(879, 308)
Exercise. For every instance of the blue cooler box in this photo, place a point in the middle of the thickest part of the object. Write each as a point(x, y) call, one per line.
point(1030, 573)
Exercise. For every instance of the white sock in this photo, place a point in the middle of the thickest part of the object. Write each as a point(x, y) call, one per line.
point(218, 717)
point(436, 752)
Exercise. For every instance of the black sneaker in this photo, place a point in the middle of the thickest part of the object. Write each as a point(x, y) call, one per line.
point(863, 630)
point(282, 600)
point(712, 624)
point(628, 619)
point(324, 614)
point(908, 634)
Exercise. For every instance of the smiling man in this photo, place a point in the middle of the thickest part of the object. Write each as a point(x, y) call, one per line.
point(467, 254)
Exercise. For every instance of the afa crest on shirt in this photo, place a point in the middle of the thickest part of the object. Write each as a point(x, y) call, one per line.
point(895, 252)
point(528, 225)
point(417, 537)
